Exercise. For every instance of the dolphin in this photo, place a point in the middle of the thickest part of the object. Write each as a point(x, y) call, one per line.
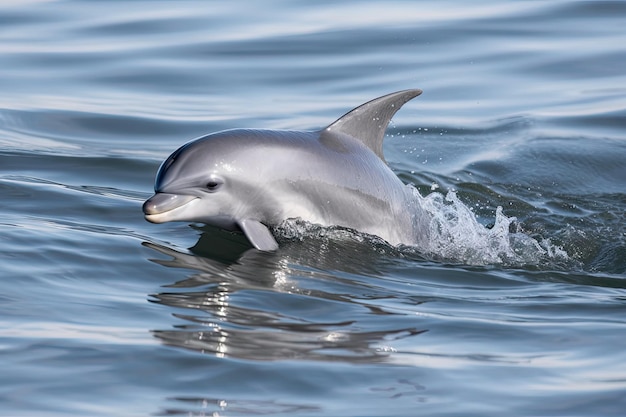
point(251, 180)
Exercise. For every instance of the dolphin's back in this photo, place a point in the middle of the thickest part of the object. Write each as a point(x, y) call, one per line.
point(337, 179)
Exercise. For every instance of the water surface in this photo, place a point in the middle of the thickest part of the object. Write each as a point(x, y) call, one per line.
point(524, 108)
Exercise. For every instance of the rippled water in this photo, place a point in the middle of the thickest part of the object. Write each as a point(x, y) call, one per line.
point(524, 107)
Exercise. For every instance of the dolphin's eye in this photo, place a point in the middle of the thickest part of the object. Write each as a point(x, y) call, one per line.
point(213, 185)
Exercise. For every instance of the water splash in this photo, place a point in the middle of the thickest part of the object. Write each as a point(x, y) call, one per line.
point(454, 234)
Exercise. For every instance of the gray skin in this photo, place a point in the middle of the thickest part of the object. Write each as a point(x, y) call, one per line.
point(251, 180)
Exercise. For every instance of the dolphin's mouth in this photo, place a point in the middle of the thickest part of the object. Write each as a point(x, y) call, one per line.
point(164, 207)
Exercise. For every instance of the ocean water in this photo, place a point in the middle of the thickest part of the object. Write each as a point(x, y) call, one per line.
point(518, 310)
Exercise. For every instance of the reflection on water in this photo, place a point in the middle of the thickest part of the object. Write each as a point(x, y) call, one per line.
point(215, 406)
point(255, 308)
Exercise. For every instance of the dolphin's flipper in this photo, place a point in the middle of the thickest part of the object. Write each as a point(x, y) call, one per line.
point(369, 121)
point(258, 234)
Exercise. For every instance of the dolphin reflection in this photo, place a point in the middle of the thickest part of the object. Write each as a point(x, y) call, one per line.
point(266, 306)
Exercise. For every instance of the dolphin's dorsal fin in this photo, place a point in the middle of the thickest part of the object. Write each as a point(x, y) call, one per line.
point(369, 121)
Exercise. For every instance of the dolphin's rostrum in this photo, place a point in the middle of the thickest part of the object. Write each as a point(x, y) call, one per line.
point(251, 180)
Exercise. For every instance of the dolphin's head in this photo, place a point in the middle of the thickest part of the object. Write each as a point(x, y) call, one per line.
point(194, 184)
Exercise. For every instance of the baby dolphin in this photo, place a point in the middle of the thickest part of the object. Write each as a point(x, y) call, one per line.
point(251, 180)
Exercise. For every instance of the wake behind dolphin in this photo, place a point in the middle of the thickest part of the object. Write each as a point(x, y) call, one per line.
point(253, 180)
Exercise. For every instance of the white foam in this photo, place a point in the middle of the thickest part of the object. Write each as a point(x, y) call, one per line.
point(454, 234)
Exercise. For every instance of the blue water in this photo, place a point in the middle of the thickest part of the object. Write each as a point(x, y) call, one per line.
point(105, 314)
